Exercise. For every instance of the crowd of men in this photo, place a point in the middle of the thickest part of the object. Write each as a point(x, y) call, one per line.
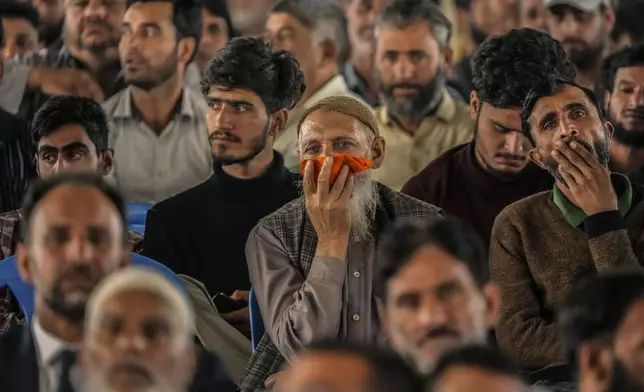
point(340, 196)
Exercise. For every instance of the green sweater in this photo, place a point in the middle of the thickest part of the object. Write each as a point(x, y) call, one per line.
point(537, 252)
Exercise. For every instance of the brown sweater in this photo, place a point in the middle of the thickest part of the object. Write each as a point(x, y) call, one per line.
point(535, 256)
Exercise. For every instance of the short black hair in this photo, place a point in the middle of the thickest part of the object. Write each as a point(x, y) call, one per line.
point(318, 15)
point(252, 63)
point(186, 17)
point(547, 87)
point(220, 8)
point(39, 188)
point(631, 56)
point(399, 242)
point(475, 356)
point(388, 371)
point(595, 307)
point(62, 110)
point(20, 10)
point(506, 67)
point(402, 13)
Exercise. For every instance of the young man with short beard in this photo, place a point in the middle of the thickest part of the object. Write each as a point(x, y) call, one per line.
point(592, 221)
point(477, 180)
point(202, 232)
point(623, 82)
point(312, 262)
point(158, 124)
point(419, 119)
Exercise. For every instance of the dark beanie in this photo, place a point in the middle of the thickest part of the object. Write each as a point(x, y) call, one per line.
point(220, 8)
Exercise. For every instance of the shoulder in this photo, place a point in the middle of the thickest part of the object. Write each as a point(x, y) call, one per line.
point(111, 104)
point(10, 342)
point(524, 211)
point(432, 178)
point(195, 99)
point(181, 203)
point(403, 207)
point(289, 217)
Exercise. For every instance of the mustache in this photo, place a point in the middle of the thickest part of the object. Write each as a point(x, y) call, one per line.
point(510, 156)
point(411, 86)
point(574, 41)
point(637, 112)
point(133, 366)
point(223, 135)
point(442, 331)
point(94, 23)
point(582, 142)
point(80, 270)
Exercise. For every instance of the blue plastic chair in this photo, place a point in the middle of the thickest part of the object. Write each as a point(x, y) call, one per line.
point(136, 213)
point(24, 292)
point(256, 323)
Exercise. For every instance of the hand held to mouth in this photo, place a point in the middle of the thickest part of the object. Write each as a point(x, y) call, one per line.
point(328, 207)
point(587, 179)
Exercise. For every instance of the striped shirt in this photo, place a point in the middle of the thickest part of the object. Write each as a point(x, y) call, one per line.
point(16, 160)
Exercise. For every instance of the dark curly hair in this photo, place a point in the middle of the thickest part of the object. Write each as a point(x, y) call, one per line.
point(506, 67)
point(253, 64)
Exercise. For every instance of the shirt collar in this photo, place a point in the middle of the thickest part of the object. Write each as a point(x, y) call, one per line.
point(126, 109)
point(575, 215)
point(445, 112)
point(48, 346)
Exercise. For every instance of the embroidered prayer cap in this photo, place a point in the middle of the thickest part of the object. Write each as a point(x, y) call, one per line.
point(345, 105)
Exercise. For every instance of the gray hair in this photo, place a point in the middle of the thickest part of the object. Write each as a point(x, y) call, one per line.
point(402, 13)
point(325, 18)
point(138, 279)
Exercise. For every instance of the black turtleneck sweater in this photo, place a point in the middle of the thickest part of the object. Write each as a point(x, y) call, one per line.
point(202, 232)
point(455, 182)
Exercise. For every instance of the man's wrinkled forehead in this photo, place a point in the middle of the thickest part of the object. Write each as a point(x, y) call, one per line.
point(325, 124)
point(564, 99)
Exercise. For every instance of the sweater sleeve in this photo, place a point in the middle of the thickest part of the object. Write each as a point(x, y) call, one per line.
point(608, 241)
point(522, 333)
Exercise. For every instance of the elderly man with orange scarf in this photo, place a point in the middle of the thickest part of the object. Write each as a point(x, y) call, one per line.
point(312, 262)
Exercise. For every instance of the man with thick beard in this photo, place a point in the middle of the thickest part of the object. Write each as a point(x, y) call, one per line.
point(623, 82)
point(202, 232)
point(592, 221)
point(312, 262)
point(419, 119)
point(583, 27)
point(600, 324)
point(158, 124)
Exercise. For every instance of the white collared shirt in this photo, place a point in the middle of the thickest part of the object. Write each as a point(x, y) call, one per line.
point(48, 350)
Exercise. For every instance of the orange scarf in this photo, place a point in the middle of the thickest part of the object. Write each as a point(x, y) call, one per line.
point(356, 165)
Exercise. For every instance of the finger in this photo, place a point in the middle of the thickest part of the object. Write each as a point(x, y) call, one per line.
point(325, 177)
point(347, 192)
point(338, 186)
point(309, 183)
point(586, 155)
point(569, 179)
point(568, 167)
point(574, 158)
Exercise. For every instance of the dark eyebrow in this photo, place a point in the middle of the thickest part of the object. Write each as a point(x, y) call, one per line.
point(503, 127)
point(67, 147)
point(574, 106)
point(548, 117)
point(230, 101)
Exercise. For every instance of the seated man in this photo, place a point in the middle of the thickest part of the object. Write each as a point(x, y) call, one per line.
point(74, 234)
point(476, 368)
point(602, 317)
point(592, 221)
point(495, 163)
point(70, 134)
point(436, 290)
point(345, 367)
point(149, 310)
point(312, 261)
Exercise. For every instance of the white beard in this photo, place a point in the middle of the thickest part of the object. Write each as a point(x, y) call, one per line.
point(362, 205)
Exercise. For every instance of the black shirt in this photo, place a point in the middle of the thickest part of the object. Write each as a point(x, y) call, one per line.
point(202, 232)
point(17, 156)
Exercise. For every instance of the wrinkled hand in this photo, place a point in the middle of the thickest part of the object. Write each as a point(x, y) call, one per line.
point(272, 382)
point(588, 180)
point(66, 81)
point(240, 320)
point(328, 207)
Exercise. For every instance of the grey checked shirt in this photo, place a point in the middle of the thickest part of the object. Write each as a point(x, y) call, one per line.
point(304, 298)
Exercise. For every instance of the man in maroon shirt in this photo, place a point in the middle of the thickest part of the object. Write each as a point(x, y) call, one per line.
point(475, 181)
